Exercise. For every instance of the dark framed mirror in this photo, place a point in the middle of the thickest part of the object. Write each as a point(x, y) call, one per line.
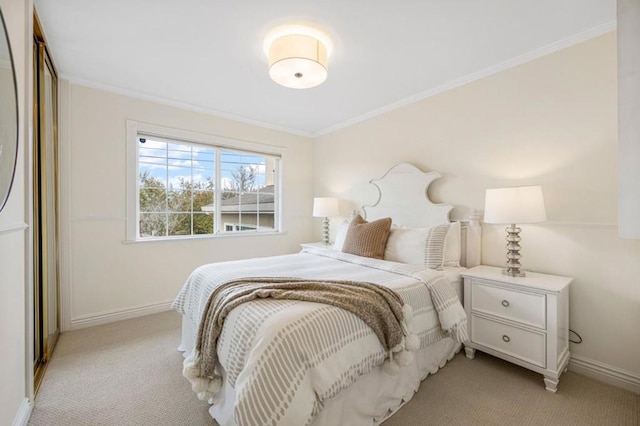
point(8, 116)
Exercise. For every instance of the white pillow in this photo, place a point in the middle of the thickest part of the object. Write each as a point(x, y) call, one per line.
point(452, 247)
point(341, 235)
point(406, 245)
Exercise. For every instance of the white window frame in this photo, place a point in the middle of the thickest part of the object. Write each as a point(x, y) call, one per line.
point(135, 129)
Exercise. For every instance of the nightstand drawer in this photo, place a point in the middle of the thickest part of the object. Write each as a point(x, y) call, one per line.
point(523, 307)
point(526, 345)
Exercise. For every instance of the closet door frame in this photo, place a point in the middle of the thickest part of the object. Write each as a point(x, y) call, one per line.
point(46, 210)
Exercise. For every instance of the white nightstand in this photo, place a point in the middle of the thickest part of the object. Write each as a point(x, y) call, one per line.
point(524, 320)
point(317, 245)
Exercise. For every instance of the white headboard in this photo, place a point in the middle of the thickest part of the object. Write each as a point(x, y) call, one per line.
point(403, 196)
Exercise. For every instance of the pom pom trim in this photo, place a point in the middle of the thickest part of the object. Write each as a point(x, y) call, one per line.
point(412, 343)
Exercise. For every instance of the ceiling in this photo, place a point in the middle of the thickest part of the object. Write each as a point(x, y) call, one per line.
point(208, 54)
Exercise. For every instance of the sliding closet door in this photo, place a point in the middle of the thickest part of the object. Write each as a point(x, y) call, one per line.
point(46, 240)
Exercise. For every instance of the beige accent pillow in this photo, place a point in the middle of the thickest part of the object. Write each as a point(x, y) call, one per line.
point(367, 239)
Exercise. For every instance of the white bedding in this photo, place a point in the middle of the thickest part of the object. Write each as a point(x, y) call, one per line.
point(452, 273)
point(326, 376)
point(373, 398)
point(454, 277)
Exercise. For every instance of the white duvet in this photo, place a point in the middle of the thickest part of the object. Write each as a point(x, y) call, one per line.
point(286, 358)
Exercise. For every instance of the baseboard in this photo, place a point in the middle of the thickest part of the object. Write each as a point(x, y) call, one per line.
point(91, 320)
point(605, 373)
point(23, 414)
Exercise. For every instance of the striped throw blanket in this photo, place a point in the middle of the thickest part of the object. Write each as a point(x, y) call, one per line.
point(451, 314)
point(378, 306)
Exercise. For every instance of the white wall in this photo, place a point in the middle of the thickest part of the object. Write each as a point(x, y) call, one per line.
point(629, 117)
point(103, 275)
point(550, 121)
point(14, 233)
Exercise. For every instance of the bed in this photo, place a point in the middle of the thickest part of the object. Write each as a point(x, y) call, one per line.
point(332, 369)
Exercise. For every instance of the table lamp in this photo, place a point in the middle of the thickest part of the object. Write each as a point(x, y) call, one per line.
point(325, 207)
point(523, 204)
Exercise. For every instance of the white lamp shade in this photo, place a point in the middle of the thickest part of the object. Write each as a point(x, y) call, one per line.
point(523, 204)
point(298, 61)
point(325, 207)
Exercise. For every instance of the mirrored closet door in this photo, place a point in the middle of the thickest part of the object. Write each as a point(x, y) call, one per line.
point(45, 206)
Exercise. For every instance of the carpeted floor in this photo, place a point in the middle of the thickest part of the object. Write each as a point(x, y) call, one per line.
point(129, 373)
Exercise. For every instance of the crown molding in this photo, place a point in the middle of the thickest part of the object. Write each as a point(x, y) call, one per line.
point(182, 105)
point(510, 63)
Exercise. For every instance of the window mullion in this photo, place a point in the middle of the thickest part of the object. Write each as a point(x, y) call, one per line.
point(217, 194)
point(192, 187)
point(276, 195)
point(166, 192)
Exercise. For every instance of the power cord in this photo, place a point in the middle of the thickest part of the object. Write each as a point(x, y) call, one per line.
point(579, 337)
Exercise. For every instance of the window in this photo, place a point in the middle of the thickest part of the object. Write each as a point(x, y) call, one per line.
point(237, 227)
point(189, 185)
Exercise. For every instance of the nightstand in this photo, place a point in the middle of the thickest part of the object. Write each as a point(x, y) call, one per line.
point(317, 245)
point(524, 320)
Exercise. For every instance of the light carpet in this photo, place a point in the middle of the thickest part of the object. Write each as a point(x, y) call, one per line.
point(129, 373)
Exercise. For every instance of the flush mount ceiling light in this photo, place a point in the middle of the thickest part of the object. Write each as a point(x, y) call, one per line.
point(298, 56)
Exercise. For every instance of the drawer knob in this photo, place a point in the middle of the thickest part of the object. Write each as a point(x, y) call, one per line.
point(505, 303)
point(506, 338)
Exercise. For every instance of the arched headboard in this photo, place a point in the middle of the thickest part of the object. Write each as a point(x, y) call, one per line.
point(403, 196)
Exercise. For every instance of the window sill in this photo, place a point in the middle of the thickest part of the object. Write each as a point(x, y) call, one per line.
point(205, 237)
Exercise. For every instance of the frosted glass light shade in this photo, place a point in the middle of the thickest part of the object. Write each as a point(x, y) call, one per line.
point(325, 207)
point(523, 204)
point(298, 61)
